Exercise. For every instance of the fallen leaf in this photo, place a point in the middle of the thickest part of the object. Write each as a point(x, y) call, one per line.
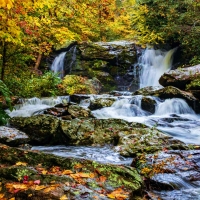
point(78, 166)
point(40, 187)
point(37, 182)
point(44, 172)
point(1, 196)
point(21, 163)
point(67, 172)
point(190, 156)
point(48, 189)
point(64, 197)
point(118, 194)
point(102, 179)
point(20, 186)
point(12, 198)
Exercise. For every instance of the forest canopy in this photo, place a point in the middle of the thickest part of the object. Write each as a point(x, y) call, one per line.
point(31, 29)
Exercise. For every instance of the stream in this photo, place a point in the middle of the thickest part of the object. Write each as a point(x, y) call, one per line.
point(172, 116)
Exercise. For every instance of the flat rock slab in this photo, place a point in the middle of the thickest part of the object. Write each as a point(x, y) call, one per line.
point(12, 136)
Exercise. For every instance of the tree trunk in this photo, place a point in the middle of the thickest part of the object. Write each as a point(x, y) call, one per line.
point(37, 64)
point(3, 61)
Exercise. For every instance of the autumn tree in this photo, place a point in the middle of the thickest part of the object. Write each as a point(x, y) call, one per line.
point(172, 22)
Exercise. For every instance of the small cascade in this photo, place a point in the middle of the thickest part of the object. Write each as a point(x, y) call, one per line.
point(175, 106)
point(64, 62)
point(33, 105)
point(122, 109)
point(153, 63)
point(58, 64)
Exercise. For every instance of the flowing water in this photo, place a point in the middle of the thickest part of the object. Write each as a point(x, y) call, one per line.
point(153, 64)
point(58, 65)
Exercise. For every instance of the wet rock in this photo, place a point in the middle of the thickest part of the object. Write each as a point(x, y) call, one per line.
point(176, 171)
point(77, 111)
point(77, 98)
point(101, 103)
point(147, 91)
point(60, 176)
point(12, 136)
point(56, 111)
point(148, 104)
point(180, 77)
point(145, 140)
point(41, 129)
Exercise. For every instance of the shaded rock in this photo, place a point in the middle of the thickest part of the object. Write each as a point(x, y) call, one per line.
point(147, 91)
point(180, 77)
point(148, 104)
point(41, 129)
point(12, 136)
point(56, 111)
point(77, 98)
point(145, 140)
point(101, 103)
point(77, 111)
point(61, 176)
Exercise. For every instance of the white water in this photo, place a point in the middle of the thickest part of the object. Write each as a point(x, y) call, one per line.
point(153, 64)
point(58, 65)
point(31, 106)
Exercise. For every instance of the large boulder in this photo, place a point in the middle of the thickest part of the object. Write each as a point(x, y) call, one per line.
point(41, 129)
point(180, 77)
point(12, 136)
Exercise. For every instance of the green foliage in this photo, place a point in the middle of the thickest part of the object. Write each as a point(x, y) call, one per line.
point(195, 84)
point(42, 86)
point(6, 98)
point(73, 84)
point(173, 22)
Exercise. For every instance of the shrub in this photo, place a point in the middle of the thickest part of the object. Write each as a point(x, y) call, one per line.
point(72, 84)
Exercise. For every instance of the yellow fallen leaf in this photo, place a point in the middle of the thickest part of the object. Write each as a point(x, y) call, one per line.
point(40, 187)
point(44, 172)
point(102, 179)
point(67, 172)
point(48, 189)
point(64, 197)
point(1, 196)
point(20, 186)
point(21, 163)
point(30, 195)
point(12, 198)
point(111, 196)
point(78, 166)
point(92, 175)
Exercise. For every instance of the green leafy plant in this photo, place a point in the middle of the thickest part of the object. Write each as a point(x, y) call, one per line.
point(5, 99)
point(72, 84)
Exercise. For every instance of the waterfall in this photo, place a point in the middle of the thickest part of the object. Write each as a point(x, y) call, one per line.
point(175, 105)
point(153, 64)
point(58, 64)
point(64, 62)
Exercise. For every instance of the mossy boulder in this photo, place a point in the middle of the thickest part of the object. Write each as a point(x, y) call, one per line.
point(180, 77)
point(59, 176)
point(77, 111)
point(146, 140)
point(101, 103)
point(41, 129)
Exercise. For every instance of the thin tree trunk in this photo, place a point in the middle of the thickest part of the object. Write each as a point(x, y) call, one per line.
point(37, 64)
point(3, 61)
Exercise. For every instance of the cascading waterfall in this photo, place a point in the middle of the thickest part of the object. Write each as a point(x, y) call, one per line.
point(63, 63)
point(153, 63)
point(58, 64)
